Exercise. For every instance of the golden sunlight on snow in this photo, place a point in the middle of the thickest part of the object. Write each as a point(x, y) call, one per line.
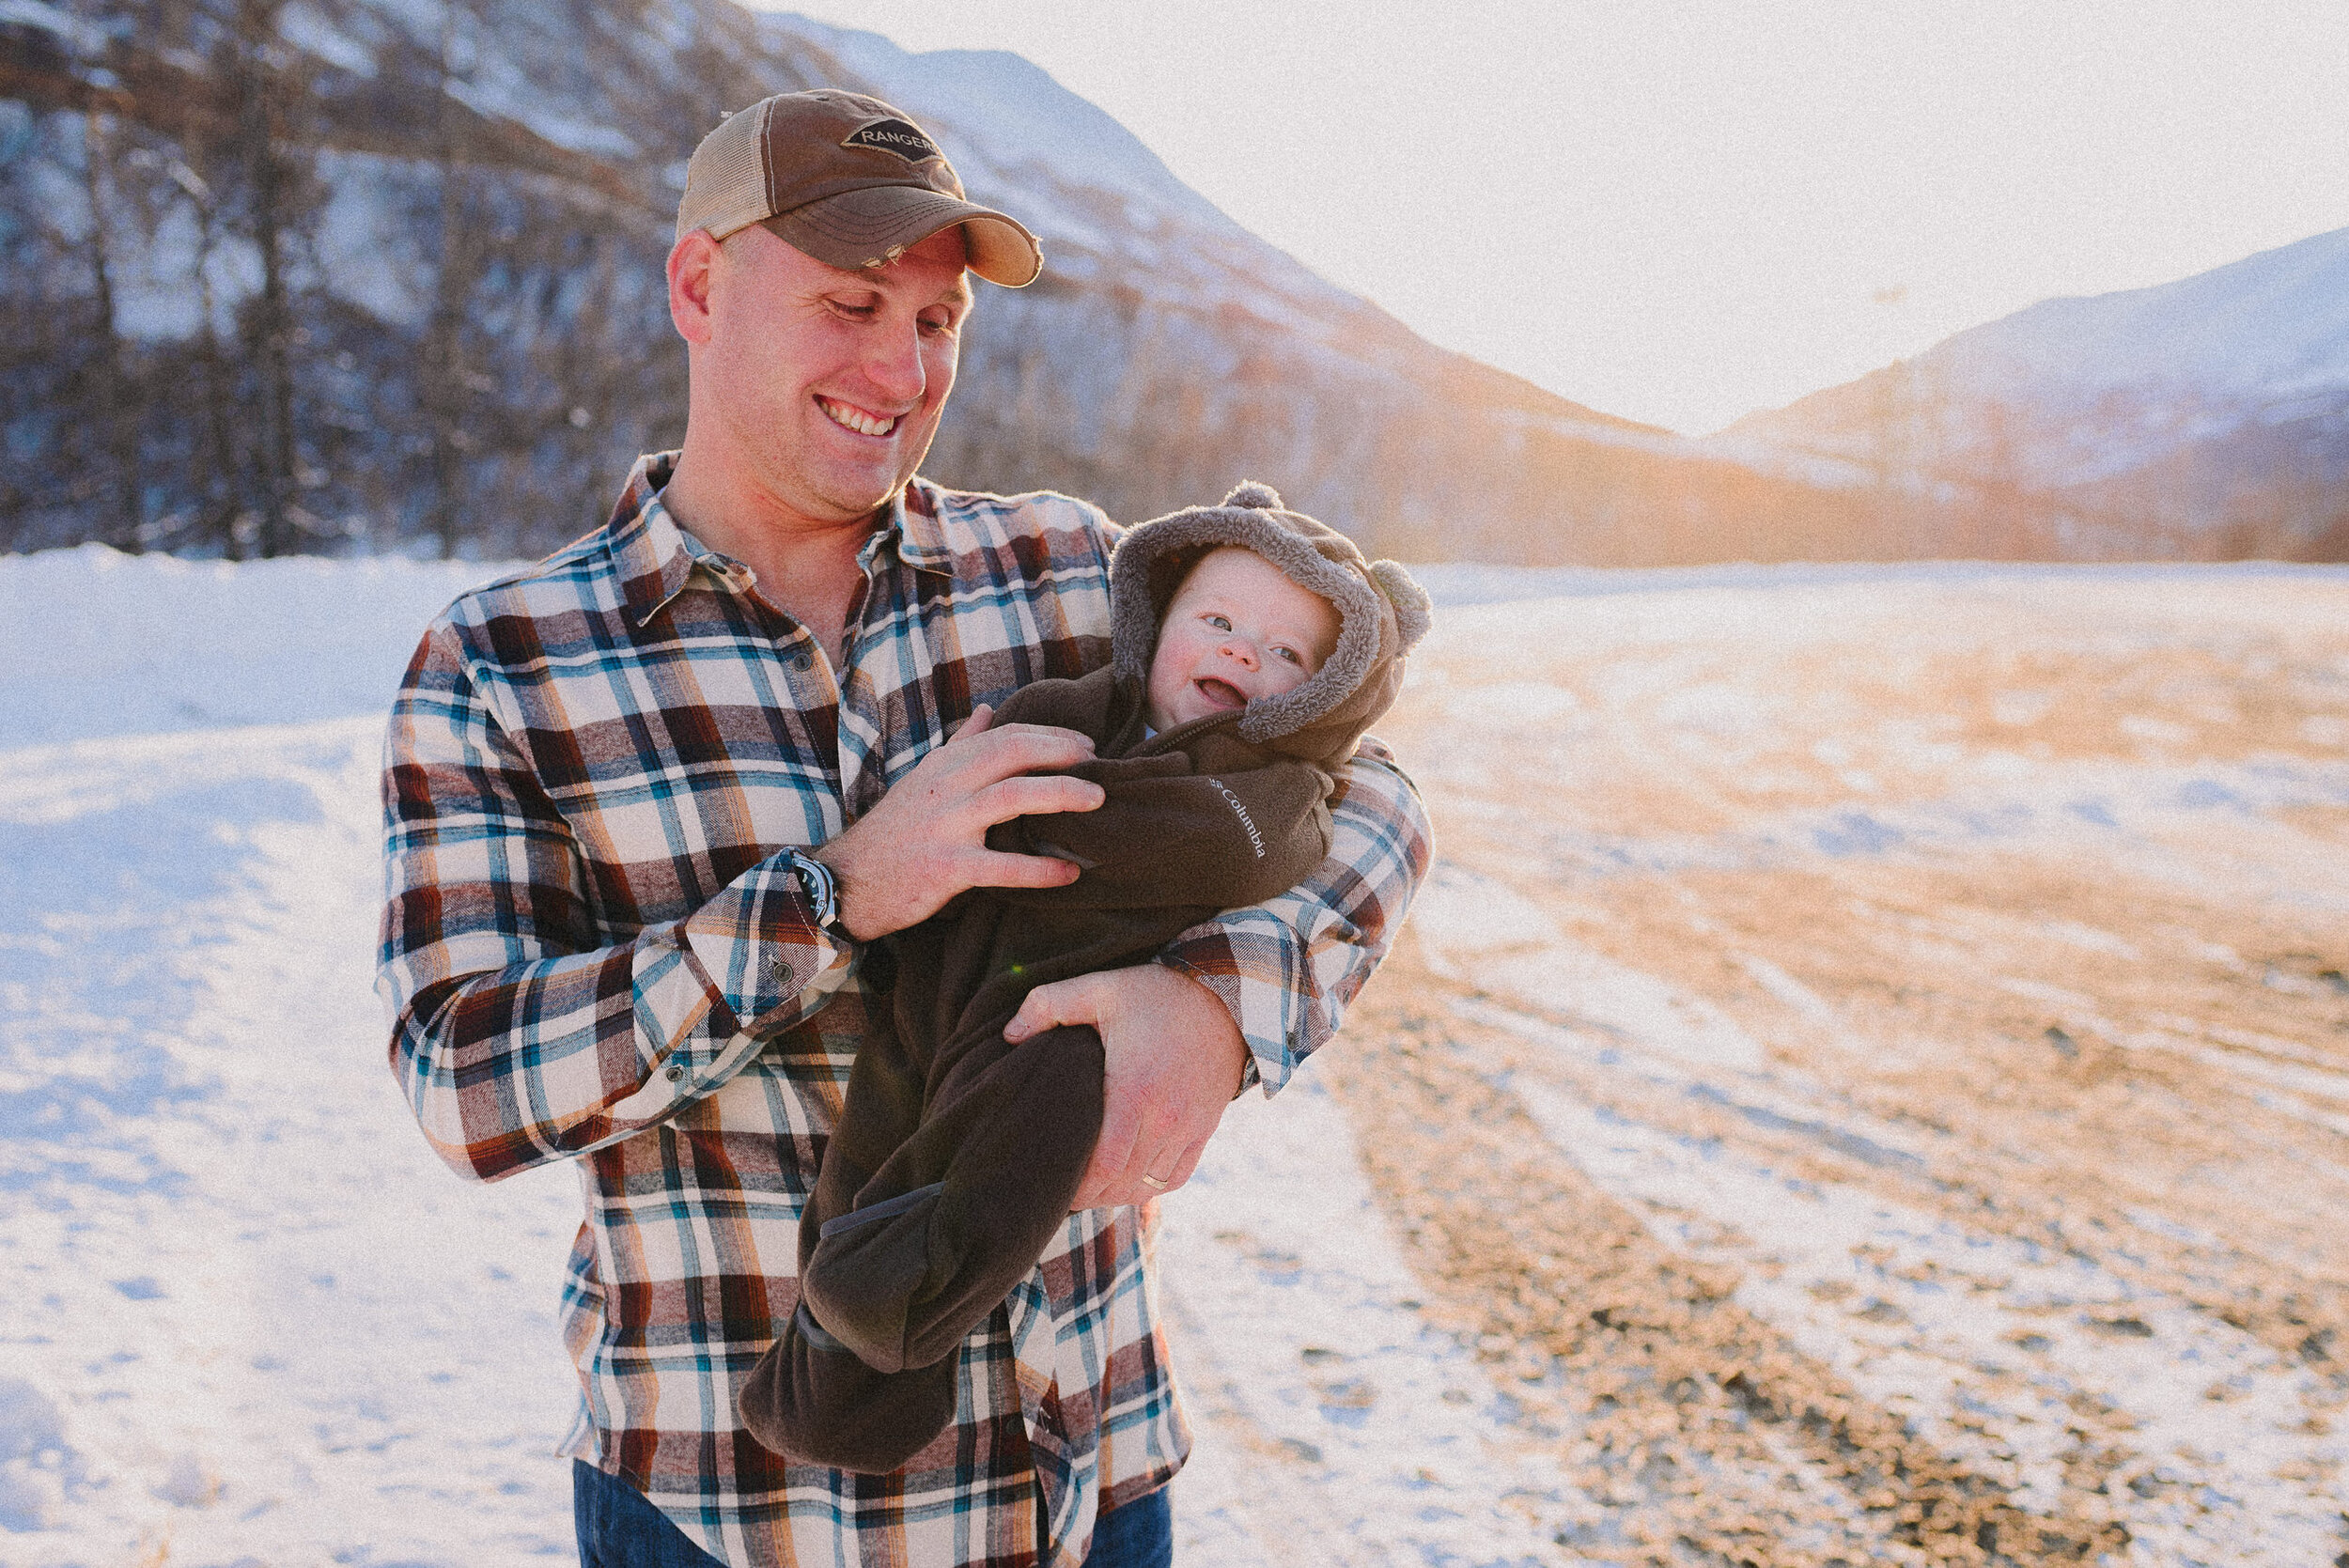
point(1871, 1072)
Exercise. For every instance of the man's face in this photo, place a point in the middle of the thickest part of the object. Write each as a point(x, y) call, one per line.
point(830, 383)
point(1237, 629)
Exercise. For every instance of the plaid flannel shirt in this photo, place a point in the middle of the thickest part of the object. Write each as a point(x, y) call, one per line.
point(594, 947)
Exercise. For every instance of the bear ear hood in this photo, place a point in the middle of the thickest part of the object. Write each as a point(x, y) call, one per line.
point(1383, 613)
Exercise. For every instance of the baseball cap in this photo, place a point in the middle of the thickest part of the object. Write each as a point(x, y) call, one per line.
point(847, 179)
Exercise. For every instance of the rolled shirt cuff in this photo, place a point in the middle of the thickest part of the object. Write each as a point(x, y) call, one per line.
point(762, 950)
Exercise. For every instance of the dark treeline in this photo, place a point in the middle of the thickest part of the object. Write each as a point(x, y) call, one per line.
point(180, 371)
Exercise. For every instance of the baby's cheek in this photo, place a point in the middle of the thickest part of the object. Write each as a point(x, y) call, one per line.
point(1159, 691)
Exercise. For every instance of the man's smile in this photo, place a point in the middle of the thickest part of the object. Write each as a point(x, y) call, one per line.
point(863, 421)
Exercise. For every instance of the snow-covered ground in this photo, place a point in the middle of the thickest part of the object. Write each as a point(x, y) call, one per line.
point(1950, 957)
point(254, 1320)
point(257, 1323)
point(1954, 958)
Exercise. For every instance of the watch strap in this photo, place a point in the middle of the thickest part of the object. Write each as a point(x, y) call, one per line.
point(823, 890)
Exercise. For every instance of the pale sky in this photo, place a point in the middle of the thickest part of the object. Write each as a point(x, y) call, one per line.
point(1682, 212)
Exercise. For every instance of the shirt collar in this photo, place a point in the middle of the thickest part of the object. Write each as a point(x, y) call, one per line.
point(656, 557)
point(650, 549)
point(916, 521)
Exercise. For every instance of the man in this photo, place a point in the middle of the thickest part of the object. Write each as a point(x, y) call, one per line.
point(645, 801)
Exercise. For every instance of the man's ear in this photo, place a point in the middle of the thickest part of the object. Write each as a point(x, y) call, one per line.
point(692, 269)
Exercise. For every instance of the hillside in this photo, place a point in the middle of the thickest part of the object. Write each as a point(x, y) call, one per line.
point(2204, 418)
point(374, 272)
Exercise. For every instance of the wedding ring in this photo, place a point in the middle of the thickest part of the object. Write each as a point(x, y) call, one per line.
point(1153, 1184)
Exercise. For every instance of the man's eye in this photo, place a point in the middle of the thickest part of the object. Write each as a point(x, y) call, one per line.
point(937, 324)
point(854, 312)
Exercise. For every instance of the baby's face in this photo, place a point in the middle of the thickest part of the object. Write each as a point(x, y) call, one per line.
point(1238, 631)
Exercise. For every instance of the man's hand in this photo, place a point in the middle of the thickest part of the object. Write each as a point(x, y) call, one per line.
point(927, 840)
point(1171, 1061)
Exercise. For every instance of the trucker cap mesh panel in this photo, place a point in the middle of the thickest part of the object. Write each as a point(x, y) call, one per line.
point(725, 183)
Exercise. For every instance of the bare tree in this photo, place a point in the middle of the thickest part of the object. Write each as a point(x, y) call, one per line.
point(212, 471)
point(449, 391)
point(265, 88)
point(113, 388)
point(31, 381)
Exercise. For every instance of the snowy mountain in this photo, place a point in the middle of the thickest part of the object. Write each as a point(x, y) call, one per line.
point(2209, 416)
point(374, 272)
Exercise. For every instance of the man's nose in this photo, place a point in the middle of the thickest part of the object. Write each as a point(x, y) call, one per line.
point(892, 362)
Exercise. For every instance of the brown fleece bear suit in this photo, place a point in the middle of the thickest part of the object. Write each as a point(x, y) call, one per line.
point(957, 1154)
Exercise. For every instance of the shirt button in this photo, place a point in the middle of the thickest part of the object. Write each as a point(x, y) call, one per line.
point(673, 1072)
point(802, 662)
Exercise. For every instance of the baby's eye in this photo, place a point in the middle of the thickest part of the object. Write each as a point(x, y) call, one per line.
point(1218, 622)
point(1290, 654)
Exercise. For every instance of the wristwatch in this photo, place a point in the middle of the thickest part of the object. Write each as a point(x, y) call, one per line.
point(823, 891)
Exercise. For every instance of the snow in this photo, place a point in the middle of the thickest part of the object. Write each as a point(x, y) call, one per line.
point(260, 1324)
point(267, 642)
point(266, 1326)
point(244, 1266)
point(1949, 847)
point(1945, 1303)
point(2273, 325)
point(1340, 1419)
point(76, 34)
point(1462, 583)
point(305, 29)
point(244, 1263)
point(367, 251)
point(2071, 391)
point(502, 91)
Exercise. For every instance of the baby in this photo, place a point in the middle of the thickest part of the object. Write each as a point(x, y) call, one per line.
point(1251, 647)
point(1238, 631)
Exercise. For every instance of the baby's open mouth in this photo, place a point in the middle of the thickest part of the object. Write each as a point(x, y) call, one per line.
point(1221, 694)
point(848, 416)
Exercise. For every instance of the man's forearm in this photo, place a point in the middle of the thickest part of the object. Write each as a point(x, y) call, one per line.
point(521, 1033)
point(553, 1055)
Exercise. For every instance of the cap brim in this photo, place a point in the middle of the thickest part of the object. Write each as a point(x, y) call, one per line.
point(868, 227)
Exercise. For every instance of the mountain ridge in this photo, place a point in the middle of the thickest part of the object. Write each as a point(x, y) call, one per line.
point(386, 274)
point(421, 305)
point(2207, 416)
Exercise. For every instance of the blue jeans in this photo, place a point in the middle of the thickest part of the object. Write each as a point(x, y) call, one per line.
point(618, 1529)
point(1138, 1534)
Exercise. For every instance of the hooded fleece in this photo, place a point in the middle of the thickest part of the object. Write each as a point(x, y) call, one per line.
point(958, 1153)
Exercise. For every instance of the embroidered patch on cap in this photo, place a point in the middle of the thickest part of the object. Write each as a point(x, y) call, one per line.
point(894, 135)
